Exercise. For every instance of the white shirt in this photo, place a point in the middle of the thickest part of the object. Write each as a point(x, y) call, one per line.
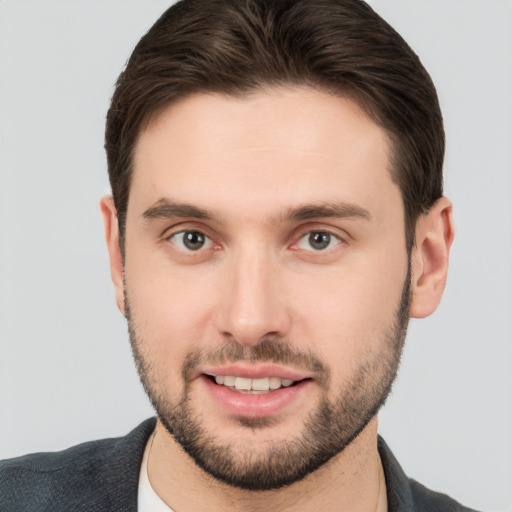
point(148, 500)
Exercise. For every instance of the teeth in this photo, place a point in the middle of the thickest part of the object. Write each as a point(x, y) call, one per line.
point(274, 382)
point(257, 385)
point(260, 384)
point(229, 381)
point(241, 383)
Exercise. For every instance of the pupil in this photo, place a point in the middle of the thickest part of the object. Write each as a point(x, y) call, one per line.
point(319, 240)
point(193, 240)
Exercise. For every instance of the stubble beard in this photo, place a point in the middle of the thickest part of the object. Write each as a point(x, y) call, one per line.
point(329, 429)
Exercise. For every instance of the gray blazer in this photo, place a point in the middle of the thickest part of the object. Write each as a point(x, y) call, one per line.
point(103, 476)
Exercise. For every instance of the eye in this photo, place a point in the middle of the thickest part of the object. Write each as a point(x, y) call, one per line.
point(191, 240)
point(318, 241)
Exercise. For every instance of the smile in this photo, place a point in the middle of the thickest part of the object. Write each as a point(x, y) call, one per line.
point(256, 395)
point(253, 386)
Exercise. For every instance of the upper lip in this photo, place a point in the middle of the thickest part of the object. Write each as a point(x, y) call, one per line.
point(248, 371)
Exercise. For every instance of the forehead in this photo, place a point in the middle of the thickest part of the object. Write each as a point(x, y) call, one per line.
point(286, 145)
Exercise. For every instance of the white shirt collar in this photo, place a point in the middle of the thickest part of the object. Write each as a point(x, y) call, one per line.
point(148, 500)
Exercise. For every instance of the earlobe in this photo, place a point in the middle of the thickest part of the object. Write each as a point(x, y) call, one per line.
point(111, 226)
point(429, 258)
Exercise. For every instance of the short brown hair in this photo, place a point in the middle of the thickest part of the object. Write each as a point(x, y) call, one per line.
point(238, 46)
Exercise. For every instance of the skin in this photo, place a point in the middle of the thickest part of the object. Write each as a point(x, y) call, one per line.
point(250, 161)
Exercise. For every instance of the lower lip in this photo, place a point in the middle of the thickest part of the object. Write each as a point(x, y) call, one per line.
point(255, 406)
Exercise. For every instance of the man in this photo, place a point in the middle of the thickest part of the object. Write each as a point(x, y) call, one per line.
point(277, 216)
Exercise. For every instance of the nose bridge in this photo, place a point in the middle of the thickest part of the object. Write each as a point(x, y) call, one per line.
point(253, 305)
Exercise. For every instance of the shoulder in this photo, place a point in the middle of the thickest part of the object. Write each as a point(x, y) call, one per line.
point(407, 495)
point(32, 480)
point(427, 500)
point(48, 462)
point(72, 478)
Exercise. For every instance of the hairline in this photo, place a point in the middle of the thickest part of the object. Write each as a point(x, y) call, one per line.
point(351, 93)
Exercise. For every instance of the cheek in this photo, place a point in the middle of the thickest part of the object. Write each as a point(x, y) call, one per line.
point(347, 313)
point(169, 313)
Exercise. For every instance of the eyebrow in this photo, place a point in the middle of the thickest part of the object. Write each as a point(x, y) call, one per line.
point(167, 209)
point(339, 210)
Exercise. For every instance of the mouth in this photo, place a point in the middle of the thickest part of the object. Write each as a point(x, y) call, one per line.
point(259, 386)
point(244, 391)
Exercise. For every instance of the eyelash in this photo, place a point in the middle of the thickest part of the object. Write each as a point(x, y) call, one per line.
point(207, 239)
point(309, 234)
point(210, 244)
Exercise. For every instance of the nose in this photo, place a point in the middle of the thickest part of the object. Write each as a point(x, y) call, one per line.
point(252, 303)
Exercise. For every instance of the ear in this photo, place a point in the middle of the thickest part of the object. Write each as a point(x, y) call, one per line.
point(111, 225)
point(429, 258)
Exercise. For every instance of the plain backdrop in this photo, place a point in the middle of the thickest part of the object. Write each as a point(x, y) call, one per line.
point(66, 373)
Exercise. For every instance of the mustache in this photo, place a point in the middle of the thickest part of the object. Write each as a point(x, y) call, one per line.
point(270, 349)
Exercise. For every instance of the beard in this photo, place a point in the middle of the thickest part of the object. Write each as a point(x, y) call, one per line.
point(328, 430)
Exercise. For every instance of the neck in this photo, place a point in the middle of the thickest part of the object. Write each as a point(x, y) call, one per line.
point(351, 481)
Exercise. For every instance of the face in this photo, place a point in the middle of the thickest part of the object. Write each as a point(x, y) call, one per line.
point(266, 279)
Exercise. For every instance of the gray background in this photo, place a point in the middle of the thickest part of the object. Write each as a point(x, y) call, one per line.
point(65, 368)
